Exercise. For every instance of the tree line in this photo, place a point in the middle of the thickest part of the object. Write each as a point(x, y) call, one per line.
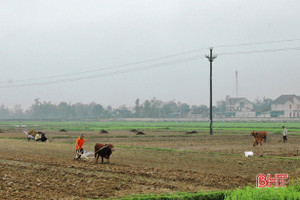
point(153, 108)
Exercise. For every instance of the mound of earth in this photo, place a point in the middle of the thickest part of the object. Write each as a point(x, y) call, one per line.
point(103, 131)
point(1, 131)
point(63, 130)
point(140, 133)
point(134, 130)
point(192, 132)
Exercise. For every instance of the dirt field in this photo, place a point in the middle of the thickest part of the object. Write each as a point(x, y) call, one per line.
point(156, 163)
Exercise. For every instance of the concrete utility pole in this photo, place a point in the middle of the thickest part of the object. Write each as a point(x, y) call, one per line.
point(236, 84)
point(210, 58)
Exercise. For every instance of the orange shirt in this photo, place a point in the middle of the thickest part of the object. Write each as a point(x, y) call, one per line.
point(79, 143)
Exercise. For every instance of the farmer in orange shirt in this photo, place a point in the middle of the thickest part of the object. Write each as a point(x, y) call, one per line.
point(79, 143)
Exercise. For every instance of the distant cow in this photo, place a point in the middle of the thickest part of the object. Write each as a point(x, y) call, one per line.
point(103, 150)
point(259, 136)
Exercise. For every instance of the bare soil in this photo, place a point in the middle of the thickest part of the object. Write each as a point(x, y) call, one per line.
point(144, 164)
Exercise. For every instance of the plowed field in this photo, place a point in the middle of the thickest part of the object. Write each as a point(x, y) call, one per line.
point(156, 163)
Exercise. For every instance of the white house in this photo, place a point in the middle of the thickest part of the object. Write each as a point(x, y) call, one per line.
point(242, 107)
point(238, 104)
point(286, 106)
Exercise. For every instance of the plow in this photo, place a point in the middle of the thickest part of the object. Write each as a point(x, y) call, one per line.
point(87, 154)
point(102, 150)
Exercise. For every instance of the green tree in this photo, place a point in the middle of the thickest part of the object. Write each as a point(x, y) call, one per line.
point(124, 112)
point(64, 110)
point(184, 109)
point(137, 108)
point(4, 112)
point(262, 105)
point(201, 110)
point(170, 109)
point(18, 112)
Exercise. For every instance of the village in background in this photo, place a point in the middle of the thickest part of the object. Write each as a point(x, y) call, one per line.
point(285, 107)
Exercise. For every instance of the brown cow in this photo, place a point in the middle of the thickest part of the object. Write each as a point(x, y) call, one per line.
point(103, 150)
point(259, 136)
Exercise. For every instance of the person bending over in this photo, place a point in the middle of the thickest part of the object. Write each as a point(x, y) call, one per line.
point(79, 143)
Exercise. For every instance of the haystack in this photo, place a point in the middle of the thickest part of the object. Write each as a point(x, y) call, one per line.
point(32, 133)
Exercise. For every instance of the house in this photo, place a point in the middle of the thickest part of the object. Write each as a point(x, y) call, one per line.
point(263, 114)
point(240, 106)
point(286, 106)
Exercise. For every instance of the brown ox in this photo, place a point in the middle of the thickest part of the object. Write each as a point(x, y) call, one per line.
point(103, 150)
point(259, 136)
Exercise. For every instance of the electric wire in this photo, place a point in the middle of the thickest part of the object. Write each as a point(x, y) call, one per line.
point(158, 65)
point(260, 51)
point(151, 60)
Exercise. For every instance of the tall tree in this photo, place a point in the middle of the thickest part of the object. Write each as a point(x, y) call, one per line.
point(4, 112)
point(137, 108)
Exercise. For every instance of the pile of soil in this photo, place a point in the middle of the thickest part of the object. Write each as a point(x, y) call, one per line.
point(103, 131)
point(134, 130)
point(1, 131)
point(63, 130)
point(140, 133)
point(192, 132)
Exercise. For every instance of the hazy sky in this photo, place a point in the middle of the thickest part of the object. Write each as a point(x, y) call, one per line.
point(66, 39)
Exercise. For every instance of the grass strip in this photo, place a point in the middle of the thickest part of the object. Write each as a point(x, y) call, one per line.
point(291, 192)
point(219, 195)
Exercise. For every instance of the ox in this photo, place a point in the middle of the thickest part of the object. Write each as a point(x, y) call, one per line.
point(259, 136)
point(103, 150)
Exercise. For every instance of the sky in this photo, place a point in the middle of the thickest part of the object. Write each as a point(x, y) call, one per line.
point(114, 52)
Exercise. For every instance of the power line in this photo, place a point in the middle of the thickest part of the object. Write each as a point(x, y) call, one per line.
point(158, 58)
point(111, 67)
point(260, 51)
point(257, 43)
point(158, 65)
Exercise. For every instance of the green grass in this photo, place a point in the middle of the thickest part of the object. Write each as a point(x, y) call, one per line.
point(178, 196)
point(248, 193)
point(241, 127)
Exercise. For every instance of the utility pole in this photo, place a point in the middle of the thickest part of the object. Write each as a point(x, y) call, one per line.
point(236, 84)
point(210, 58)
